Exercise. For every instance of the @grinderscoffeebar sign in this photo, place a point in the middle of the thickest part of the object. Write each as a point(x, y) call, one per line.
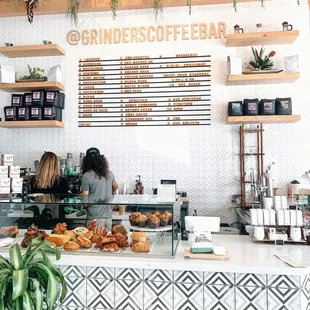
point(201, 31)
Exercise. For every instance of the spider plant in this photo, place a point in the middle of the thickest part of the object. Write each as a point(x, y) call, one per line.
point(28, 282)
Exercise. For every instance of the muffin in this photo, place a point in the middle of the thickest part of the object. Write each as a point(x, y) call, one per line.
point(133, 218)
point(164, 219)
point(153, 221)
point(157, 213)
point(142, 220)
point(170, 217)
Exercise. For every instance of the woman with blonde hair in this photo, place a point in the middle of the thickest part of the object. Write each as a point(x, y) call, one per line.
point(48, 179)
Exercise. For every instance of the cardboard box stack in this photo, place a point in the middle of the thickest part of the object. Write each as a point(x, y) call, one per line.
point(10, 180)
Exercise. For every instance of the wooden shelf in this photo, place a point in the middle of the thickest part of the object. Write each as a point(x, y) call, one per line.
point(270, 78)
point(32, 50)
point(266, 119)
point(32, 124)
point(262, 38)
point(25, 86)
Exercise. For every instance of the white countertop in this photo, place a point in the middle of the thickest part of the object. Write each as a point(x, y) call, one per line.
point(245, 257)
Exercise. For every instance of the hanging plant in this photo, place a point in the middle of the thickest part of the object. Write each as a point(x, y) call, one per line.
point(158, 7)
point(114, 6)
point(73, 10)
point(189, 4)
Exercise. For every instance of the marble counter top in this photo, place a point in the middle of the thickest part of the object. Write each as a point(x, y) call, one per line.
point(245, 257)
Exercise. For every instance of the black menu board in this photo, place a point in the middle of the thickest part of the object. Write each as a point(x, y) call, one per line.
point(145, 91)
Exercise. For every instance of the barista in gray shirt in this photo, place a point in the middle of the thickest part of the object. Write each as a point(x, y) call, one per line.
point(99, 182)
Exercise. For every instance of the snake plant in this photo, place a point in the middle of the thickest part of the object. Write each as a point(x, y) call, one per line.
point(29, 282)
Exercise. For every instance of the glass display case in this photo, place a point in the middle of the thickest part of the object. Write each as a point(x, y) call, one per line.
point(156, 223)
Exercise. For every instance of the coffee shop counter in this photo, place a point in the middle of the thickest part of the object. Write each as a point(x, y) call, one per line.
point(253, 278)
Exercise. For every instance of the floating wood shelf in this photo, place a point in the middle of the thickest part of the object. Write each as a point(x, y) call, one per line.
point(262, 38)
point(266, 119)
point(21, 87)
point(270, 78)
point(61, 6)
point(32, 50)
point(32, 124)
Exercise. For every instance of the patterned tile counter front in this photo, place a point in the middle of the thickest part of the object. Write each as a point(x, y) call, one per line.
point(253, 279)
point(137, 289)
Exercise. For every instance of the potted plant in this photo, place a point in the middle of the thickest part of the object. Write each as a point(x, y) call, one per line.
point(28, 282)
point(261, 62)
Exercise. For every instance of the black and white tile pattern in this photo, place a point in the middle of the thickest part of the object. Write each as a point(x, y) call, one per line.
point(128, 295)
point(219, 297)
point(251, 297)
point(158, 295)
point(100, 293)
point(104, 288)
point(219, 278)
point(100, 273)
point(188, 296)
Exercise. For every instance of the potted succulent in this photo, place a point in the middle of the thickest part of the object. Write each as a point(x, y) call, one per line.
point(28, 282)
point(261, 62)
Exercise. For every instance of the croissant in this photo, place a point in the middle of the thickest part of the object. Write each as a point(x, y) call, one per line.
point(107, 240)
point(88, 235)
point(110, 247)
point(84, 242)
point(140, 247)
point(121, 240)
point(98, 241)
point(138, 236)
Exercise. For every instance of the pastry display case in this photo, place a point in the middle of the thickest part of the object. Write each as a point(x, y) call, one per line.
point(144, 226)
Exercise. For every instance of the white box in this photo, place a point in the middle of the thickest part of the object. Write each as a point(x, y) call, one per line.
point(253, 217)
point(5, 190)
point(7, 158)
point(234, 65)
point(260, 218)
point(284, 202)
point(280, 217)
point(14, 171)
point(274, 237)
point(293, 217)
point(266, 215)
point(7, 74)
point(287, 219)
point(299, 221)
point(4, 171)
point(17, 190)
point(5, 182)
point(16, 182)
point(272, 214)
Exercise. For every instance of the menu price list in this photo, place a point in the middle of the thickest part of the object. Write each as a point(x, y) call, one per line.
point(145, 91)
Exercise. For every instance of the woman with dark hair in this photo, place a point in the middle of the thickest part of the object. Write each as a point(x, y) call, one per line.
point(98, 181)
point(48, 179)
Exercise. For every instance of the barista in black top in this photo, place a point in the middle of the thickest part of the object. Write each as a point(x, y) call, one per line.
point(48, 179)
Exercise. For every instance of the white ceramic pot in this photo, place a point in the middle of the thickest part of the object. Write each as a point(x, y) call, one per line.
point(259, 233)
point(295, 233)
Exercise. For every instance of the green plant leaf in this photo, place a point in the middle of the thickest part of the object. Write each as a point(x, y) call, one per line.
point(53, 289)
point(4, 263)
point(31, 254)
point(36, 294)
point(20, 282)
point(17, 304)
point(3, 288)
point(58, 275)
point(16, 257)
point(27, 302)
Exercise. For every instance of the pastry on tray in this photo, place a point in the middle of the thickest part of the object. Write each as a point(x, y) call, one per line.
point(32, 230)
point(70, 233)
point(110, 247)
point(153, 221)
point(141, 220)
point(100, 230)
point(169, 216)
point(96, 238)
point(71, 246)
point(119, 229)
point(121, 240)
point(157, 213)
point(80, 231)
point(11, 231)
point(84, 242)
point(133, 218)
point(58, 239)
point(148, 241)
point(138, 236)
point(32, 233)
point(106, 240)
point(60, 228)
point(141, 247)
point(89, 235)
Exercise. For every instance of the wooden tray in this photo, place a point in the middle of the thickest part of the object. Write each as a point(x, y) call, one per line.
point(187, 253)
point(302, 241)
